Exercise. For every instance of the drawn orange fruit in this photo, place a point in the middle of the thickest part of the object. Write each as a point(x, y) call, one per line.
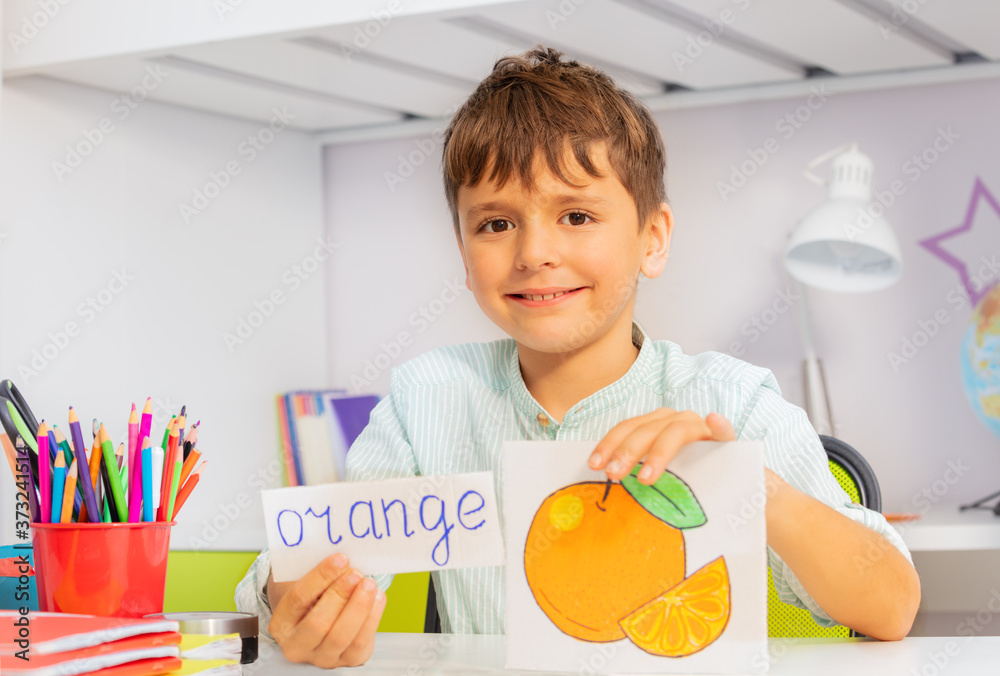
point(593, 555)
point(685, 619)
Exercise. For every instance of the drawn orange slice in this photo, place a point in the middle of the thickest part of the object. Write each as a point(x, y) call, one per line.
point(687, 617)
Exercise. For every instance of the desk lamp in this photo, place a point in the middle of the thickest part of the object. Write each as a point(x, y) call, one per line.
point(842, 245)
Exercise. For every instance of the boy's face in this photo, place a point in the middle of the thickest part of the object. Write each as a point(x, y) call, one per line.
point(583, 243)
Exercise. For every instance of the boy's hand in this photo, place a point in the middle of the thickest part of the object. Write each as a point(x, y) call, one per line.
point(328, 617)
point(655, 438)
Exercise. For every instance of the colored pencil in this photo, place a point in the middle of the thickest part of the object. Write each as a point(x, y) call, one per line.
point(189, 485)
point(147, 481)
point(122, 473)
point(133, 440)
point(85, 481)
point(157, 454)
point(44, 473)
point(96, 426)
point(191, 440)
point(71, 479)
point(166, 432)
point(95, 476)
point(168, 471)
point(58, 488)
point(136, 485)
point(174, 485)
point(63, 444)
point(67, 450)
point(189, 464)
point(182, 421)
point(8, 450)
point(21, 451)
point(31, 494)
point(117, 498)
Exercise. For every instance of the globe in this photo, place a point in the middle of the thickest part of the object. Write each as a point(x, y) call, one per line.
point(981, 360)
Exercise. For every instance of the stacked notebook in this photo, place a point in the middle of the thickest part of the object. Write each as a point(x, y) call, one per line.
point(61, 644)
point(316, 429)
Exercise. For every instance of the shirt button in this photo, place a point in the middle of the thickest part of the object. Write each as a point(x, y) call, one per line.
point(543, 420)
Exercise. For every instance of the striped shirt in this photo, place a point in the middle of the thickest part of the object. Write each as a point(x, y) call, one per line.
point(450, 410)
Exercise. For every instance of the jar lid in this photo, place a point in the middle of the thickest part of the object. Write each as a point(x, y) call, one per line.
point(213, 623)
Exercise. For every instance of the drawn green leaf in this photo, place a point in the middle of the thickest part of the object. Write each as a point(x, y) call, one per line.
point(669, 499)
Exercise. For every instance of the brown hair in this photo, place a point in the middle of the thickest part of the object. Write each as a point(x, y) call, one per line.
point(536, 102)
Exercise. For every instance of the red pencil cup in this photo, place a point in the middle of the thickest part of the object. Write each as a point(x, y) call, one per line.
point(106, 569)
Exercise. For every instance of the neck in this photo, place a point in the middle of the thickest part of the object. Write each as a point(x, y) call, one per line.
point(559, 381)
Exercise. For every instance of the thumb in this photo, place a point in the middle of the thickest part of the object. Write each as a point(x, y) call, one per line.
point(721, 429)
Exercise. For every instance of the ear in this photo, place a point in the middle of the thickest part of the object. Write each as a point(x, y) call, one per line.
point(657, 242)
point(465, 263)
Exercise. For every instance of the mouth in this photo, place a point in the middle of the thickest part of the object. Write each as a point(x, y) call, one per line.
point(535, 299)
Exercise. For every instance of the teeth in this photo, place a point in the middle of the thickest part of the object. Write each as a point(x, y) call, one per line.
point(548, 296)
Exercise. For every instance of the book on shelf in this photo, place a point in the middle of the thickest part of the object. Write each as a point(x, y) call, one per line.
point(316, 429)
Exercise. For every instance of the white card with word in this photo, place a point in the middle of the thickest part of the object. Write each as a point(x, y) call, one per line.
point(389, 526)
point(612, 577)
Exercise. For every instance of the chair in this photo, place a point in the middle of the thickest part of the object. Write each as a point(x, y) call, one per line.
point(855, 476)
point(858, 480)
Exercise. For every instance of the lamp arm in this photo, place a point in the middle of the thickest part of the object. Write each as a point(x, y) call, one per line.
point(817, 401)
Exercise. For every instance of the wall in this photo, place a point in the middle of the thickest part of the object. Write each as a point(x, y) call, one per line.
point(111, 293)
point(724, 273)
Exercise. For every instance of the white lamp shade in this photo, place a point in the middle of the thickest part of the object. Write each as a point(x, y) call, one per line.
point(845, 245)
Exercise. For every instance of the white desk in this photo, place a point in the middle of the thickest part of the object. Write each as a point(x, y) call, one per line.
point(944, 528)
point(426, 654)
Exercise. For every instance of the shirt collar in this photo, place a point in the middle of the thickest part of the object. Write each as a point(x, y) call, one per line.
point(604, 398)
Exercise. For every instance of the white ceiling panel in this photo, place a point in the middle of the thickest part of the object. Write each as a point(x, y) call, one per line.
point(217, 95)
point(432, 44)
point(622, 35)
point(821, 33)
point(329, 72)
point(975, 23)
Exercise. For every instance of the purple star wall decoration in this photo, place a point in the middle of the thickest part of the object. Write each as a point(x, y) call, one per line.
point(933, 244)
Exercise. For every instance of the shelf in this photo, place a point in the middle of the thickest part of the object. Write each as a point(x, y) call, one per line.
point(944, 528)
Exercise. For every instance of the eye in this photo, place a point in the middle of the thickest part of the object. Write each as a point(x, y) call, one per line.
point(496, 225)
point(578, 217)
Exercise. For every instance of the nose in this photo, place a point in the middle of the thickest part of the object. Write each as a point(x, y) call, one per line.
point(537, 246)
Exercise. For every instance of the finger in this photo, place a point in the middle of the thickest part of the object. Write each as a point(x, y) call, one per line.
point(312, 630)
point(294, 605)
point(361, 649)
point(633, 448)
point(605, 447)
point(346, 628)
point(722, 429)
point(666, 445)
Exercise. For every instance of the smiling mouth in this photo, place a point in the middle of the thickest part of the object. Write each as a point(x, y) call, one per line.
point(548, 296)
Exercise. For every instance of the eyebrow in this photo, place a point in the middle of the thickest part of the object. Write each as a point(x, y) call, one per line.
point(483, 208)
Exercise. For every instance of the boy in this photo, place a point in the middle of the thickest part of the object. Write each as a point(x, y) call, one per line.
point(554, 179)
